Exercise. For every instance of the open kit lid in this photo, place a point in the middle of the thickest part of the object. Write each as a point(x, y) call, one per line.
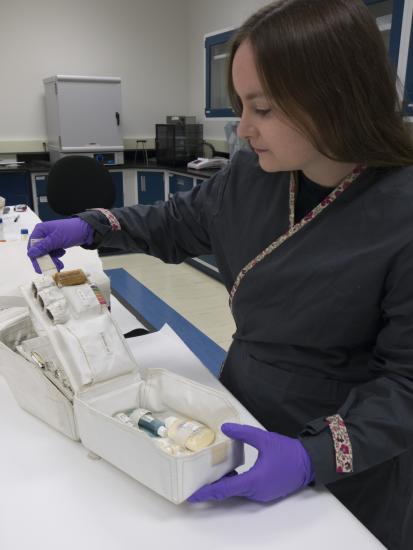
point(70, 311)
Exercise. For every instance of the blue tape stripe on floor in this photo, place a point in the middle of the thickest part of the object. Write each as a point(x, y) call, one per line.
point(157, 313)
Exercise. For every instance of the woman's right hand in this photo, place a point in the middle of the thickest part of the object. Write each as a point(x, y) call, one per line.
point(54, 236)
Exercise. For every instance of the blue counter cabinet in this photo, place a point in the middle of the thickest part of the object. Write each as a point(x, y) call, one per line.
point(151, 186)
point(178, 182)
point(15, 187)
point(117, 178)
point(40, 203)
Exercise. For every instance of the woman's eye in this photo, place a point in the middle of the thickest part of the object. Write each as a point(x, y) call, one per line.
point(262, 112)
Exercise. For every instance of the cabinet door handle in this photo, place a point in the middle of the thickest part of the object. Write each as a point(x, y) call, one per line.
point(117, 118)
point(143, 183)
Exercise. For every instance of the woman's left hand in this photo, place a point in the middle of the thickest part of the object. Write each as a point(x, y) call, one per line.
point(282, 467)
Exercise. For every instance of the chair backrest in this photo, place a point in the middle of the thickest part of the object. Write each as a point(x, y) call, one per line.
point(76, 183)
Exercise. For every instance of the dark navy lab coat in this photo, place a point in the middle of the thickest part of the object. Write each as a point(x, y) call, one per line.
point(324, 325)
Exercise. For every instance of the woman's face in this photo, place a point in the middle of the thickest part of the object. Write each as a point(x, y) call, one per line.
point(279, 146)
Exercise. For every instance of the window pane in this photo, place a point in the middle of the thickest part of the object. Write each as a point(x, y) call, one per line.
point(383, 11)
point(219, 66)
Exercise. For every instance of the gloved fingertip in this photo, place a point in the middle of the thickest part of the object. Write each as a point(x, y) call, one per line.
point(36, 266)
point(230, 428)
point(59, 265)
point(245, 433)
point(196, 497)
point(37, 250)
point(204, 496)
point(228, 486)
point(33, 252)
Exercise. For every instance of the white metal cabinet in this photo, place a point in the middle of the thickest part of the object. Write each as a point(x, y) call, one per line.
point(83, 113)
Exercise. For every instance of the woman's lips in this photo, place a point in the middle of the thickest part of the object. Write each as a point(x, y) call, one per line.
point(259, 151)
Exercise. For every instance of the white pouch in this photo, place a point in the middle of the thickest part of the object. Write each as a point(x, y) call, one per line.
point(86, 374)
point(15, 324)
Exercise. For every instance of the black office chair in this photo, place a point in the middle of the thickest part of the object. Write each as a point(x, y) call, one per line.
point(76, 183)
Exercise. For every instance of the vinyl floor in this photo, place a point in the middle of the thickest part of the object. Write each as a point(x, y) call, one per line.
point(199, 298)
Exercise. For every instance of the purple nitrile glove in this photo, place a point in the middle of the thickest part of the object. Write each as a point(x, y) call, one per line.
point(54, 236)
point(282, 467)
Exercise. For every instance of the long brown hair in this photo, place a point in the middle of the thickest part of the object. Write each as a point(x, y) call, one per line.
point(324, 64)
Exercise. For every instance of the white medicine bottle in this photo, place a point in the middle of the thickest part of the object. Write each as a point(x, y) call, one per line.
point(189, 433)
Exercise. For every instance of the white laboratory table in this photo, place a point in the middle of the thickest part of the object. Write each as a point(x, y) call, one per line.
point(54, 496)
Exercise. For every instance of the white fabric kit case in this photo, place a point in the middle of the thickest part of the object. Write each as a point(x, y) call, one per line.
point(97, 377)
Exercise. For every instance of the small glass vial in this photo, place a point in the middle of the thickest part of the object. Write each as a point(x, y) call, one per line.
point(144, 420)
point(24, 234)
point(189, 433)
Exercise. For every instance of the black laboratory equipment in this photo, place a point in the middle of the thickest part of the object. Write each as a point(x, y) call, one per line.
point(177, 144)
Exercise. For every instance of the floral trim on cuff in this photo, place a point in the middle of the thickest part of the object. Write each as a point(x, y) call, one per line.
point(342, 444)
point(114, 223)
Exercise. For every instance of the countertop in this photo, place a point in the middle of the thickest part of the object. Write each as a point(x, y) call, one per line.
point(44, 166)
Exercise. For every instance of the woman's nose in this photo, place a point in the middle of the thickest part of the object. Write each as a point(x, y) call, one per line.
point(245, 128)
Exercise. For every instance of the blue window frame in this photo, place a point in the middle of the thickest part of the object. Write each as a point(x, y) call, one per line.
point(390, 23)
point(216, 62)
point(396, 30)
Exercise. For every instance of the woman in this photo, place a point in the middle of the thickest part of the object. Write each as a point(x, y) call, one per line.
point(313, 236)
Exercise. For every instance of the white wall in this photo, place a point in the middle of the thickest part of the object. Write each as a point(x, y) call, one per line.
point(205, 17)
point(156, 46)
point(142, 41)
